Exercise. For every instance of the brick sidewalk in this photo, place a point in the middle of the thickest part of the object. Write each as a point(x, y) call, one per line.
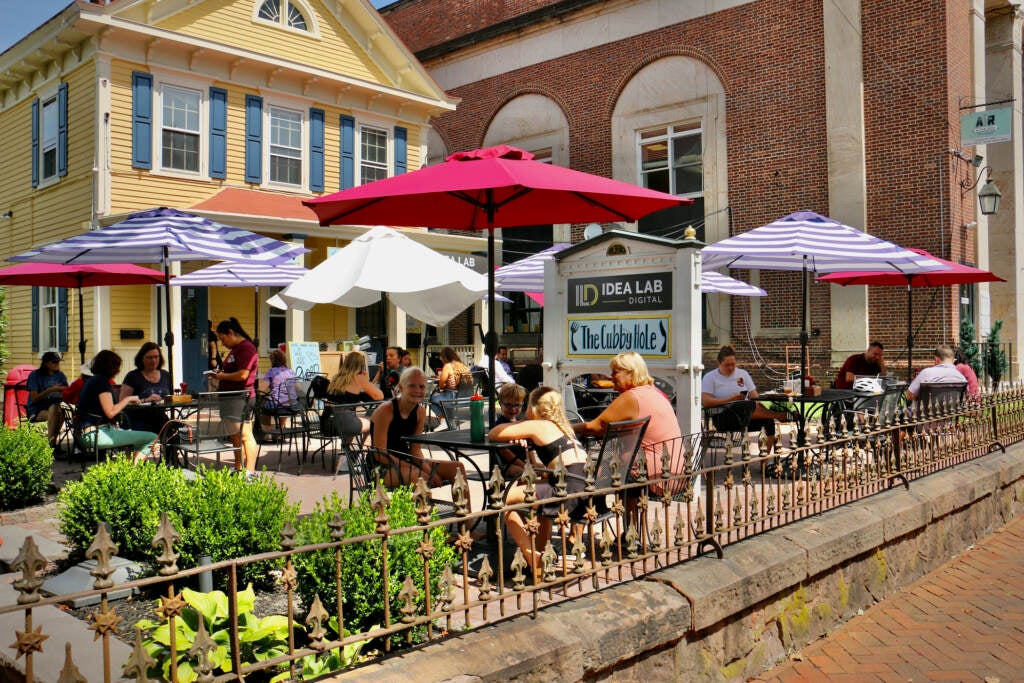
point(962, 622)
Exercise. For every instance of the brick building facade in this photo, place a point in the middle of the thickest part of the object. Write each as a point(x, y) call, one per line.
point(844, 107)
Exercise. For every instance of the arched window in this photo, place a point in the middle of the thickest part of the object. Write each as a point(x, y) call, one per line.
point(284, 13)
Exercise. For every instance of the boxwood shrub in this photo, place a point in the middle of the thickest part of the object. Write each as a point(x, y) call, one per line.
point(361, 575)
point(216, 514)
point(26, 466)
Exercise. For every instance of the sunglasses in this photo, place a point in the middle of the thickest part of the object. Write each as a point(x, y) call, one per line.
point(511, 406)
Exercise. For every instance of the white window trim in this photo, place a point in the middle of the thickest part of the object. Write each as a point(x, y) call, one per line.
point(303, 112)
point(202, 86)
point(47, 92)
point(312, 26)
point(45, 342)
point(682, 128)
point(389, 146)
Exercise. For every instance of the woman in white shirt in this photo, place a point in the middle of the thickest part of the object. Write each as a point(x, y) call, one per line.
point(728, 383)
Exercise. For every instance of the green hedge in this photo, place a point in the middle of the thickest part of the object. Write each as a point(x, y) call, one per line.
point(217, 514)
point(26, 466)
point(361, 569)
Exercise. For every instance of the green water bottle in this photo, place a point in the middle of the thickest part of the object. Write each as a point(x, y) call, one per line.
point(476, 417)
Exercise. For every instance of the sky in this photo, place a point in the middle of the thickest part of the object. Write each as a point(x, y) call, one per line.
point(22, 16)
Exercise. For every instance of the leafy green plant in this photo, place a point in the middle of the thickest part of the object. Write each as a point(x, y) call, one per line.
point(217, 514)
point(259, 638)
point(315, 666)
point(994, 356)
point(969, 345)
point(362, 563)
point(26, 466)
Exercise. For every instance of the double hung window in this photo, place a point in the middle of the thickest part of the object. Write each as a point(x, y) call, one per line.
point(49, 317)
point(285, 146)
point(181, 135)
point(373, 154)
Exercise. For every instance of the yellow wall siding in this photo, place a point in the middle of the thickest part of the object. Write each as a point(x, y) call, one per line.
point(232, 302)
point(230, 22)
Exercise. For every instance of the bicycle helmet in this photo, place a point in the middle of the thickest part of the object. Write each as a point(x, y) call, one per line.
point(867, 385)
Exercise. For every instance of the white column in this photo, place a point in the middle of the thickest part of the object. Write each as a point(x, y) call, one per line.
point(847, 183)
point(686, 336)
point(296, 323)
point(1003, 76)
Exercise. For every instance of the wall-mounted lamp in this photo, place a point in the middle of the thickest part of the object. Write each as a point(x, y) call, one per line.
point(989, 195)
point(7, 214)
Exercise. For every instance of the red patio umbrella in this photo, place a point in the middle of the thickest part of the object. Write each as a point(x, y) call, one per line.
point(955, 274)
point(483, 189)
point(77, 277)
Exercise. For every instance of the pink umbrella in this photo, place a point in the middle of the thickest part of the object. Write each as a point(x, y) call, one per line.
point(495, 187)
point(77, 277)
point(955, 274)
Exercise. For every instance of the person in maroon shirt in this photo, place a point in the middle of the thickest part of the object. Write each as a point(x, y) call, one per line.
point(871, 362)
point(238, 372)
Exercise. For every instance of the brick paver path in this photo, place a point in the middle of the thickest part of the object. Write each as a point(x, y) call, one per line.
point(962, 622)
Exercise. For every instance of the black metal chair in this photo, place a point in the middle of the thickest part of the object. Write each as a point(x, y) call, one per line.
point(724, 425)
point(278, 423)
point(368, 465)
point(935, 396)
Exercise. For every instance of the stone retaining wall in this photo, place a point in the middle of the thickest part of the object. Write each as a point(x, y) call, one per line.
point(724, 620)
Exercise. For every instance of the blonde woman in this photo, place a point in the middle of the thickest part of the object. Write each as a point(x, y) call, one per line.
point(351, 385)
point(551, 438)
point(404, 416)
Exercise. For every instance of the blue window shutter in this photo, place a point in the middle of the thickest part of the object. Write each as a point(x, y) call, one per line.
point(62, 319)
point(218, 133)
point(62, 129)
point(142, 120)
point(348, 151)
point(35, 319)
point(316, 150)
point(253, 139)
point(35, 146)
point(401, 150)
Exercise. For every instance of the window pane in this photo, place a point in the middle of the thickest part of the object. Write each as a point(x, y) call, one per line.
point(295, 18)
point(270, 10)
point(48, 146)
point(285, 146)
point(657, 180)
point(373, 155)
point(181, 109)
point(180, 151)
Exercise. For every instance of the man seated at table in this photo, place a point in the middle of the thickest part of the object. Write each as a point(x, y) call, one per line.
point(943, 372)
point(871, 362)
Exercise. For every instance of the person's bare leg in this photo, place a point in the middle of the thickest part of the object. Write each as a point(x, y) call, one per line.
point(236, 443)
point(249, 448)
point(53, 424)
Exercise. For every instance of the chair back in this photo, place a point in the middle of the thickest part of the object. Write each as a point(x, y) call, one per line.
point(622, 440)
point(937, 395)
point(734, 417)
point(481, 381)
point(529, 377)
point(467, 385)
point(889, 405)
point(21, 400)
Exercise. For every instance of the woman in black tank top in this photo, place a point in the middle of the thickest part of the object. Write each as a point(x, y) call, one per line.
point(405, 416)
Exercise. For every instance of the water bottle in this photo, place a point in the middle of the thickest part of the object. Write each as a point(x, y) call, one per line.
point(476, 417)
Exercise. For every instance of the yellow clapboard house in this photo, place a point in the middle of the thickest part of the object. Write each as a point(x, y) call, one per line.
point(232, 109)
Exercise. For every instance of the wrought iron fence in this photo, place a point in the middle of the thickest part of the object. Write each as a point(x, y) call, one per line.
point(723, 489)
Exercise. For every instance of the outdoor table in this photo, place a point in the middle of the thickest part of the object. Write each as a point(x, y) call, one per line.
point(459, 445)
point(830, 402)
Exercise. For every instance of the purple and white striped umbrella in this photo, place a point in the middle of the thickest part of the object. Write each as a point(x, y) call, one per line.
point(814, 243)
point(241, 274)
point(163, 236)
point(809, 242)
point(527, 275)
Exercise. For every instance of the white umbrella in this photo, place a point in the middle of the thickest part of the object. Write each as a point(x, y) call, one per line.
point(427, 285)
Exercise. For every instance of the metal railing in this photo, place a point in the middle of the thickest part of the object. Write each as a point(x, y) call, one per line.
point(724, 492)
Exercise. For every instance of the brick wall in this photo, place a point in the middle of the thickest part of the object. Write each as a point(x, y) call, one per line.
point(769, 56)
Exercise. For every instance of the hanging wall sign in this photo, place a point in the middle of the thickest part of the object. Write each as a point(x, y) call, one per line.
point(633, 292)
point(986, 126)
point(600, 337)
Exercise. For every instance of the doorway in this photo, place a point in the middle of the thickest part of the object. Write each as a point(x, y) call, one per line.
point(194, 316)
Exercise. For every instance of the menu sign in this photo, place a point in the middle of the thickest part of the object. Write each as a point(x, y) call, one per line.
point(643, 292)
point(598, 337)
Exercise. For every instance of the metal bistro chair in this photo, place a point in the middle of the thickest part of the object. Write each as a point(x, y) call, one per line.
point(732, 420)
point(368, 465)
point(281, 423)
point(208, 433)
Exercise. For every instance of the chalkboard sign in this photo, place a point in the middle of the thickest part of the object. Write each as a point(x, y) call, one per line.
point(304, 357)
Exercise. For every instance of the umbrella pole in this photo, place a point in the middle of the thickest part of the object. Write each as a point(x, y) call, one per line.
point(81, 327)
point(910, 330)
point(491, 338)
point(803, 329)
point(168, 335)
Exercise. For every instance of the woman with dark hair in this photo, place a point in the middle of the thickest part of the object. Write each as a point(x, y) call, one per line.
point(97, 410)
point(728, 383)
point(45, 385)
point(150, 382)
point(238, 373)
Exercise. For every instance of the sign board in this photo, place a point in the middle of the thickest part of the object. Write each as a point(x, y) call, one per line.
point(600, 337)
point(635, 292)
point(304, 357)
point(987, 126)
